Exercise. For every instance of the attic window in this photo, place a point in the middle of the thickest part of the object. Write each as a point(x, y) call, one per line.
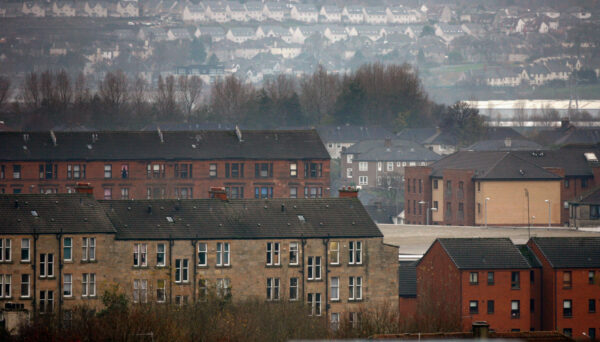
point(170, 219)
point(590, 156)
point(34, 213)
point(301, 218)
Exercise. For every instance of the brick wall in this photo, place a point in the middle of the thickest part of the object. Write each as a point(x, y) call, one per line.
point(417, 189)
point(459, 198)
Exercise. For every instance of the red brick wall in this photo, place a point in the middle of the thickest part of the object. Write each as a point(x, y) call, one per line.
point(456, 196)
point(415, 213)
point(407, 307)
point(138, 181)
point(548, 291)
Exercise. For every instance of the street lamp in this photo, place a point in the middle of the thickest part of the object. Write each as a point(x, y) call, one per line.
point(485, 209)
point(427, 213)
point(549, 213)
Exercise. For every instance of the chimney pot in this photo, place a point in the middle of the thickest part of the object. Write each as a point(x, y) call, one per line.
point(348, 192)
point(218, 192)
point(84, 188)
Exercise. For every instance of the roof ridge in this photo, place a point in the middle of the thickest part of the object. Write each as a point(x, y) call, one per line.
point(489, 169)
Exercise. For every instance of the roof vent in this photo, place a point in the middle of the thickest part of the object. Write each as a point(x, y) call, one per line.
point(53, 136)
point(149, 210)
point(24, 147)
point(26, 137)
point(301, 218)
point(89, 146)
point(238, 132)
point(193, 145)
point(94, 137)
point(34, 213)
point(198, 137)
point(521, 172)
point(160, 135)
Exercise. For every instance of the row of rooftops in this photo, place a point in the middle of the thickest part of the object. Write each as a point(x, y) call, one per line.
point(180, 145)
point(186, 219)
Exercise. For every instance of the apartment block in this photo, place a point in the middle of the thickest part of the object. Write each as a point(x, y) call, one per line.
point(157, 165)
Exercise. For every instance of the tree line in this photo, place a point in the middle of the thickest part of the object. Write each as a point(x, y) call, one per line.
point(374, 94)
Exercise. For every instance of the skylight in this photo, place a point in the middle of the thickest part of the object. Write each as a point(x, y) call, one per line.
point(301, 218)
point(170, 219)
point(34, 213)
point(590, 156)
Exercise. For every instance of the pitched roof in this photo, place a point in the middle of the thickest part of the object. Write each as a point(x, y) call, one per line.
point(240, 218)
point(570, 252)
point(398, 150)
point(407, 279)
point(503, 145)
point(52, 213)
point(484, 253)
point(590, 197)
point(349, 133)
point(181, 145)
point(572, 160)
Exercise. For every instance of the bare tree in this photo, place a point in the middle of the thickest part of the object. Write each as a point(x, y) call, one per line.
point(47, 89)
point(113, 90)
point(4, 90)
point(230, 98)
point(519, 114)
point(138, 94)
point(64, 92)
point(190, 90)
point(81, 93)
point(31, 90)
point(549, 115)
point(318, 95)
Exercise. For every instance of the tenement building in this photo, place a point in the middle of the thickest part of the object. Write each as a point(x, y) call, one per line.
point(499, 187)
point(157, 165)
point(62, 250)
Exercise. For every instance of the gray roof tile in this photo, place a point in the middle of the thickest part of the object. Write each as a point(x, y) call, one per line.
point(570, 252)
point(484, 253)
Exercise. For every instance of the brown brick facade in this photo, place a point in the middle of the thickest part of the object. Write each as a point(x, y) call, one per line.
point(417, 189)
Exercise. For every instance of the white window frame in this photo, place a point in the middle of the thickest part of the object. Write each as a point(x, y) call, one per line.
point(140, 255)
point(159, 253)
point(335, 321)
point(349, 173)
point(349, 158)
point(182, 269)
point(355, 288)
point(390, 166)
point(363, 180)
point(314, 268)
point(67, 285)
point(294, 288)
point(363, 166)
point(107, 171)
point(47, 265)
point(84, 249)
point(88, 285)
point(223, 257)
point(335, 288)
point(5, 286)
point(5, 252)
point(161, 297)
point(273, 254)
point(273, 289)
point(314, 300)
point(355, 252)
point(136, 290)
point(334, 252)
point(293, 169)
point(68, 247)
point(379, 166)
point(28, 283)
point(46, 301)
point(223, 287)
point(26, 246)
point(202, 250)
point(294, 253)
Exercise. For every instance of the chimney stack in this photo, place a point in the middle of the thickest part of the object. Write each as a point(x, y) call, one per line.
point(348, 192)
point(217, 192)
point(84, 188)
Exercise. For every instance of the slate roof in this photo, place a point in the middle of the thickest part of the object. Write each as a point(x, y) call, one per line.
point(590, 197)
point(570, 252)
point(418, 135)
point(241, 219)
point(530, 256)
point(349, 133)
point(572, 160)
point(181, 145)
point(492, 165)
point(407, 279)
point(399, 150)
point(501, 145)
point(484, 253)
point(69, 213)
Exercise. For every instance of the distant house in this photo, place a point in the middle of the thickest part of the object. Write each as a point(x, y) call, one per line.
point(216, 33)
point(372, 32)
point(503, 77)
point(330, 14)
point(255, 11)
point(217, 12)
point(95, 9)
point(64, 9)
point(335, 33)
point(285, 50)
point(237, 11)
point(193, 12)
point(277, 31)
point(240, 34)
point(353, 14)
point(208, 73)
point(178, 34)
point(155, 34)
point(585, 210)
point(400, 15)
point(337, 138)
point(375, 15)
point(126, 9)
point(448, 32)
point(305, 13)
point(302, 32)
point(507, 144)
point(33, 9)
point(275, 11)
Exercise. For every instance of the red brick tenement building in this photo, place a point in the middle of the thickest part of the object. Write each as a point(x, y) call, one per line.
point(155, 165)
point(499, 188)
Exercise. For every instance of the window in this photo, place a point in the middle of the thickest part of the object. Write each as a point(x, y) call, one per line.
point(355, 288)
point(584, 182)
point(272, 288)
point(294, 169)
point(46, 171)
point(420, 185)
point(566, 183)
point(46, 301)
point(181, 300)
point(140, 290)
point(223, 288)
point(349, 172)
point(474, 278)
point(314, 301)
point(591, 305)
point(25, 283)
point(2, 172)
point(363, 166)
point(160, 254)
point(46, 265)
point(234, 170)
point(435, 183)
point(567, 280)
point(314, 268)
point(203, 289)
point(181, 271)
point(124, 193)
point(212, 170)
point(435, 205)
point(335, 288)
point(515, 281)
point(478, 186)
point(88, 247)
point(293, 192)
point(124, 171)
point(355, 318)
point(88, 281)
point(68, 285)
point(592, 277)
point(183, 193)
point(313, 192)
point(16, 171)
point(263, 170)
point(155, 170)
point(490, 278)
point(5, 254)
point(568, 332)
point(335, 321)
point(234, 191)
point(490, 306)
point(263, 192)
point(363, 180)
point(390, 166)
point(334, 252)
point(107, 171)
point(223, 254)
point(107, 193)
point(5, 282)
point(379, 166)
point(355, 252)
point(183, 171)
point(473, 307)
point(532, 305)
point(407, 185)
point(272, 253)
point(161, 294)
point(313, 170)
point(202, 254)
point(293, 288)
point(76, 171)
point(25, 257)
point(567, 308)
point(68, 249)
point(448, 187)
point(515, 309)
point(139, 255)
point(349, 158)
point(592, 333)
point(293, 253)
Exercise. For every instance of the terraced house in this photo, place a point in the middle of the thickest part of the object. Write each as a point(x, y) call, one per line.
point(62, 250)
point(156, 165)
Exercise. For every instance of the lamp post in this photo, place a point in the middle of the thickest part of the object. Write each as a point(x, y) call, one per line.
point(427, 213)
point(549, 213)
point(485, 209)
